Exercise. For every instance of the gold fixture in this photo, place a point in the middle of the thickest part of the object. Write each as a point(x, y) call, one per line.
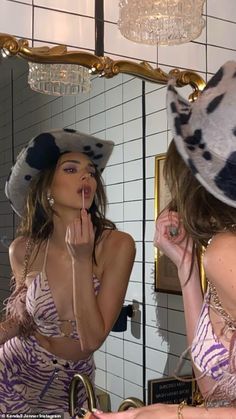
point(103, 66)
point(91, 399)
point(130, 402)
point(162, 22)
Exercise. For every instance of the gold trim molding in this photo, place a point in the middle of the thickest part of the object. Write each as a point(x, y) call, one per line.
point(103, 66)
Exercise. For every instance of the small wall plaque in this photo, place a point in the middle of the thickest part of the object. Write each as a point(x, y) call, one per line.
point(170, 390)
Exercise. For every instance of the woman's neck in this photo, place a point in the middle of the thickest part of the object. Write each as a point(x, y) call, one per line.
point(60, 225)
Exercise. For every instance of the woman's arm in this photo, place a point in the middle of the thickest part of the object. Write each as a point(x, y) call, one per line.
point(95, 315)
point(179, 250)
point(11, 327)
point(8, 329)
point(167, 411)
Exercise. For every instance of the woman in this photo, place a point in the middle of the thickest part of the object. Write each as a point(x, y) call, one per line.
point(200, 170)
point(71, 269)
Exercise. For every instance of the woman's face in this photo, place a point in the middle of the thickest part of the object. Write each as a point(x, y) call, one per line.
point(74, 184)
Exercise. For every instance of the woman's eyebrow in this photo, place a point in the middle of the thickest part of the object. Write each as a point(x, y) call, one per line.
point(77, 162)
point(69, 161)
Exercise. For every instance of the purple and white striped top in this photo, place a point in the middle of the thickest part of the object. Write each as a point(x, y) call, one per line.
point(208, 354)
point(40, 306)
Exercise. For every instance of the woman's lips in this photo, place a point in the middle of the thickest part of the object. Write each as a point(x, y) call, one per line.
point(86, 191)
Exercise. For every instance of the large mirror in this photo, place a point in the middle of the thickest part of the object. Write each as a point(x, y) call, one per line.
point(131, 112)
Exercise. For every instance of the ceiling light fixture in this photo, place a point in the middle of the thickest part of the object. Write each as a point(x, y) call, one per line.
point(162, 22)
point(59, 79)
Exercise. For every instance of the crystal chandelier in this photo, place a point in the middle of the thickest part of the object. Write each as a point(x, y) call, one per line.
point(59, 79)
point(163, 22)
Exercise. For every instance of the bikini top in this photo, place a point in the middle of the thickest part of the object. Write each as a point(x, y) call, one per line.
point(42, 309)
point(209, 355)
point(213, 359)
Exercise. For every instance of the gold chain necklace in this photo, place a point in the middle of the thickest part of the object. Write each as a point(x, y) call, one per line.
point(216, 305)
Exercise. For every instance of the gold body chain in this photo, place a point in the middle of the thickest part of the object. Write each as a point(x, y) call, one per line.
point(216, 305)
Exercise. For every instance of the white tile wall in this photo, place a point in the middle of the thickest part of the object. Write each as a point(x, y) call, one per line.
point(114, 96)
point(115, 365)
point(221, 33)
point(133, 190)
point(133, 351)
point(134, 291)
point(114, 116)
point(133, 170)
point(134, 390)
point(228, 12)
point(132, 129)
point(115, 384)
point(190, 55)
point(217, 56)
point(133, 211)
point(111, 11)
point(115, 43)
point(115, 193)
point(157, 361)
point(85, 8)
point(113, 110)
point(64, 28)
point(16, 19)
point(133, 372)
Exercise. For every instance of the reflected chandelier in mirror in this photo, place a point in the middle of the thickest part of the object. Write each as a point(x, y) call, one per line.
point(103, 66)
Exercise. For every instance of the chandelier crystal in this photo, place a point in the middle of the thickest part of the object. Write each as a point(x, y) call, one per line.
point(59, 79)
point(163, 22)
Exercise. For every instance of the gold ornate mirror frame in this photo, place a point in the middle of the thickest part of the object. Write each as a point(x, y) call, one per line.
point(103, 66)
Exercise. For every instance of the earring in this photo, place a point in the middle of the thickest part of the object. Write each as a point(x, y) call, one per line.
point(50, 200)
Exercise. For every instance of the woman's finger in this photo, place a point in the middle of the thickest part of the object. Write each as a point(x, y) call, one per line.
point(77, 231)
point(91, 229)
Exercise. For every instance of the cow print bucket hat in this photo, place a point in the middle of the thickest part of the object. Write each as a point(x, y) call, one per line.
point(43, 152)
point(205, 132)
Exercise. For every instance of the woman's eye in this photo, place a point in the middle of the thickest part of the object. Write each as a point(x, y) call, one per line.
point(92, 174)
point(70, 169)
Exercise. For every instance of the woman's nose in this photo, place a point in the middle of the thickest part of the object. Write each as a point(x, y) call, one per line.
point(85, 176)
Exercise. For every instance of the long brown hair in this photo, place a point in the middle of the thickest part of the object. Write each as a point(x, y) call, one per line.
point(37, 221)
point(202, 214)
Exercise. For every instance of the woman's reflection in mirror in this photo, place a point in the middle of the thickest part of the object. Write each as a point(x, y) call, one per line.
point(71, 268)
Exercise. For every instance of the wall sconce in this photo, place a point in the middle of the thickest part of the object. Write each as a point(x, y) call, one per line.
point(59, 79)
point(162, 22)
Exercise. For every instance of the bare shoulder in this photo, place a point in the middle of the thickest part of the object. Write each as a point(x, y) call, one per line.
point(221, 242)
point(220, 254)
point(118, 243)
point(116, 238)
point(17, 251)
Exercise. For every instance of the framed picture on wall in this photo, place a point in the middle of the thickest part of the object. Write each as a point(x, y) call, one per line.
point(166, 275)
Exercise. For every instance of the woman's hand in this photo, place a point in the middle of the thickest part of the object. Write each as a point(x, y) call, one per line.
point(177, 247)
point(168, 411)
point(80, 237)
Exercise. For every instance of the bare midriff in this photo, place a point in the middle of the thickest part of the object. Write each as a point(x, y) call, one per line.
point(63, 347)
